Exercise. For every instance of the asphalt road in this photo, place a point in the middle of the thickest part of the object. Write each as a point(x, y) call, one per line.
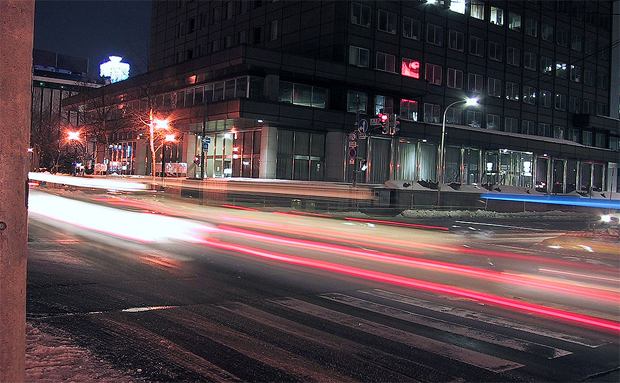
point(234, 295)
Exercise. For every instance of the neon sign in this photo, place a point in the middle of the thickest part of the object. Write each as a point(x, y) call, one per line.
point(410, 68)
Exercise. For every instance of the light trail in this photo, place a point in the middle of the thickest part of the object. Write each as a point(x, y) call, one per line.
point(555, 200)
point(451, 268)
point(424, 285)
point(403, 224)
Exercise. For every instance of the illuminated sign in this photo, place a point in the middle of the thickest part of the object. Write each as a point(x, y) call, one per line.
point(410, 68)
point(114, 69)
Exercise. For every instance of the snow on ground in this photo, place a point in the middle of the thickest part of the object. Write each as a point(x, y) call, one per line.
point(56, 358)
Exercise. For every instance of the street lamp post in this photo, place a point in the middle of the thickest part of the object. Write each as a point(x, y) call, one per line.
point(75, 137)
point(469, 102)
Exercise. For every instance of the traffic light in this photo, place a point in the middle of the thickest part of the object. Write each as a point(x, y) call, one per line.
point(394, 126)
point(197, 160)
point(385, 123)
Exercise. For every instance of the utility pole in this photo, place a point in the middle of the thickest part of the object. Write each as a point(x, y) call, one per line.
point(16, 39)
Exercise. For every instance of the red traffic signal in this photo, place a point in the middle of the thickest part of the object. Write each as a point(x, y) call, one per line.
point(384, 118)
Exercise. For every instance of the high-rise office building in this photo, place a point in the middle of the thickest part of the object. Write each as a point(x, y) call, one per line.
point(277, 88)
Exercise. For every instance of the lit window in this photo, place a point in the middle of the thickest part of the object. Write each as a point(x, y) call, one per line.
point(409, 110)
point(410, 68)
point(356, 101)
point(575, 73)
point(560, 69)
point(458, 6)
point(477, 9)
point(514, 21)
point(497, 16)
point(546, 65)
point(529, 95)
point(512, 91)
point(545, 99)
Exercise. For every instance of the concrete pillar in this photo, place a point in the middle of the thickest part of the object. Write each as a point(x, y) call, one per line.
point(142, 157)
point(16, 39)
point(268, 152)
point(189, 148)
point(336, 157)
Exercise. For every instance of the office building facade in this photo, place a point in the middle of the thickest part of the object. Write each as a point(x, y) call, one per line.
point(277, 88)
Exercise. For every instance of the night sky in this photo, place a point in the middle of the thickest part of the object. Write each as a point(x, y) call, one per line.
point(95, 29)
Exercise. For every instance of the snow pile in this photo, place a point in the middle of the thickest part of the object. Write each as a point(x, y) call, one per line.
point(54, 359)
point(531, 215)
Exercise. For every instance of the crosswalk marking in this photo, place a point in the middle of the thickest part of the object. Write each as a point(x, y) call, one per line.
point(485, 336)
point(482, 317)
point(461, 354)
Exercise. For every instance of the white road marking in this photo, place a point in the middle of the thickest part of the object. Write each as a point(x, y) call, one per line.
point(482, 317)
point(469, 332)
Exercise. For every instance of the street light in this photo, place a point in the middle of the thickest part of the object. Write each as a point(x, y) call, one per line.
point(75, 137)
point(155, 124)
point(468, 102)
point(169, 138)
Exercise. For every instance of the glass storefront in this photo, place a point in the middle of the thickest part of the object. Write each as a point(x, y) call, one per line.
point(231, 154)
point(301, 156)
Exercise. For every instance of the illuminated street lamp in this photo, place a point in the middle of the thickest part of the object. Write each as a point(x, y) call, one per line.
point(155, 125)
point(169, 138)
point(468, 102)
point(74, 136)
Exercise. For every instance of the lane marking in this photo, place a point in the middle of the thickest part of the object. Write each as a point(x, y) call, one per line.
point(473, 358)
point(469, 332)
point(482, 317)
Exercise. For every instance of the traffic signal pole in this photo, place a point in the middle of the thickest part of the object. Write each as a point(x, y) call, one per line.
point(16, 40)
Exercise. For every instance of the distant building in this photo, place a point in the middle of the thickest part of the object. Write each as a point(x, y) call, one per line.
point(114, 69)
point(283, 84)
point(55, 77)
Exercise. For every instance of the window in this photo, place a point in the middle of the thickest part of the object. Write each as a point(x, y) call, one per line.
point(228, 41)
point(241, 37)
point(546, 65)
point(528, 127)
point(531, 27)
point(203, 19)
point(590, 46)
point(495, 51)
point(228, 10)
point(360, 15)
point(473, 119)
point(545, 98)
point(601, 109)
point(599, 140)
point(497, 16)
point(544, 130)
point(215, 46)
point(410, 68)
point(576, 42)
point(546, 32)
point(589, 77)
point(529, 95)
point(356, 101)
point(359, 56)
point(494, 87)
point(511, 125)
point(181, 29)
point(475, 83)
point(476, 9)
point(560, 101)
point(454, 116)
point(601, 80)
point(457, 6)
point(456, 41)
point(575, 73)
point(434, 34)
point(455, 78)
point(273, 30)
point(513, 56)
point(384, 104)
point(559, 132)
point(432, 113)
point(476, 46)
point(574, 105)
point(529, 60)
point(493, 122)
point(512, 91)
point(258, 31)
point(412, 29)
point(386, 22)
point(562, 38)
point(560, 69)
point(588, 106)
point(433, 74)
point(191, 25)
point(386, 62)
point(514, 21)
point(603, 51)
point(409, 110)
point(586, 138)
